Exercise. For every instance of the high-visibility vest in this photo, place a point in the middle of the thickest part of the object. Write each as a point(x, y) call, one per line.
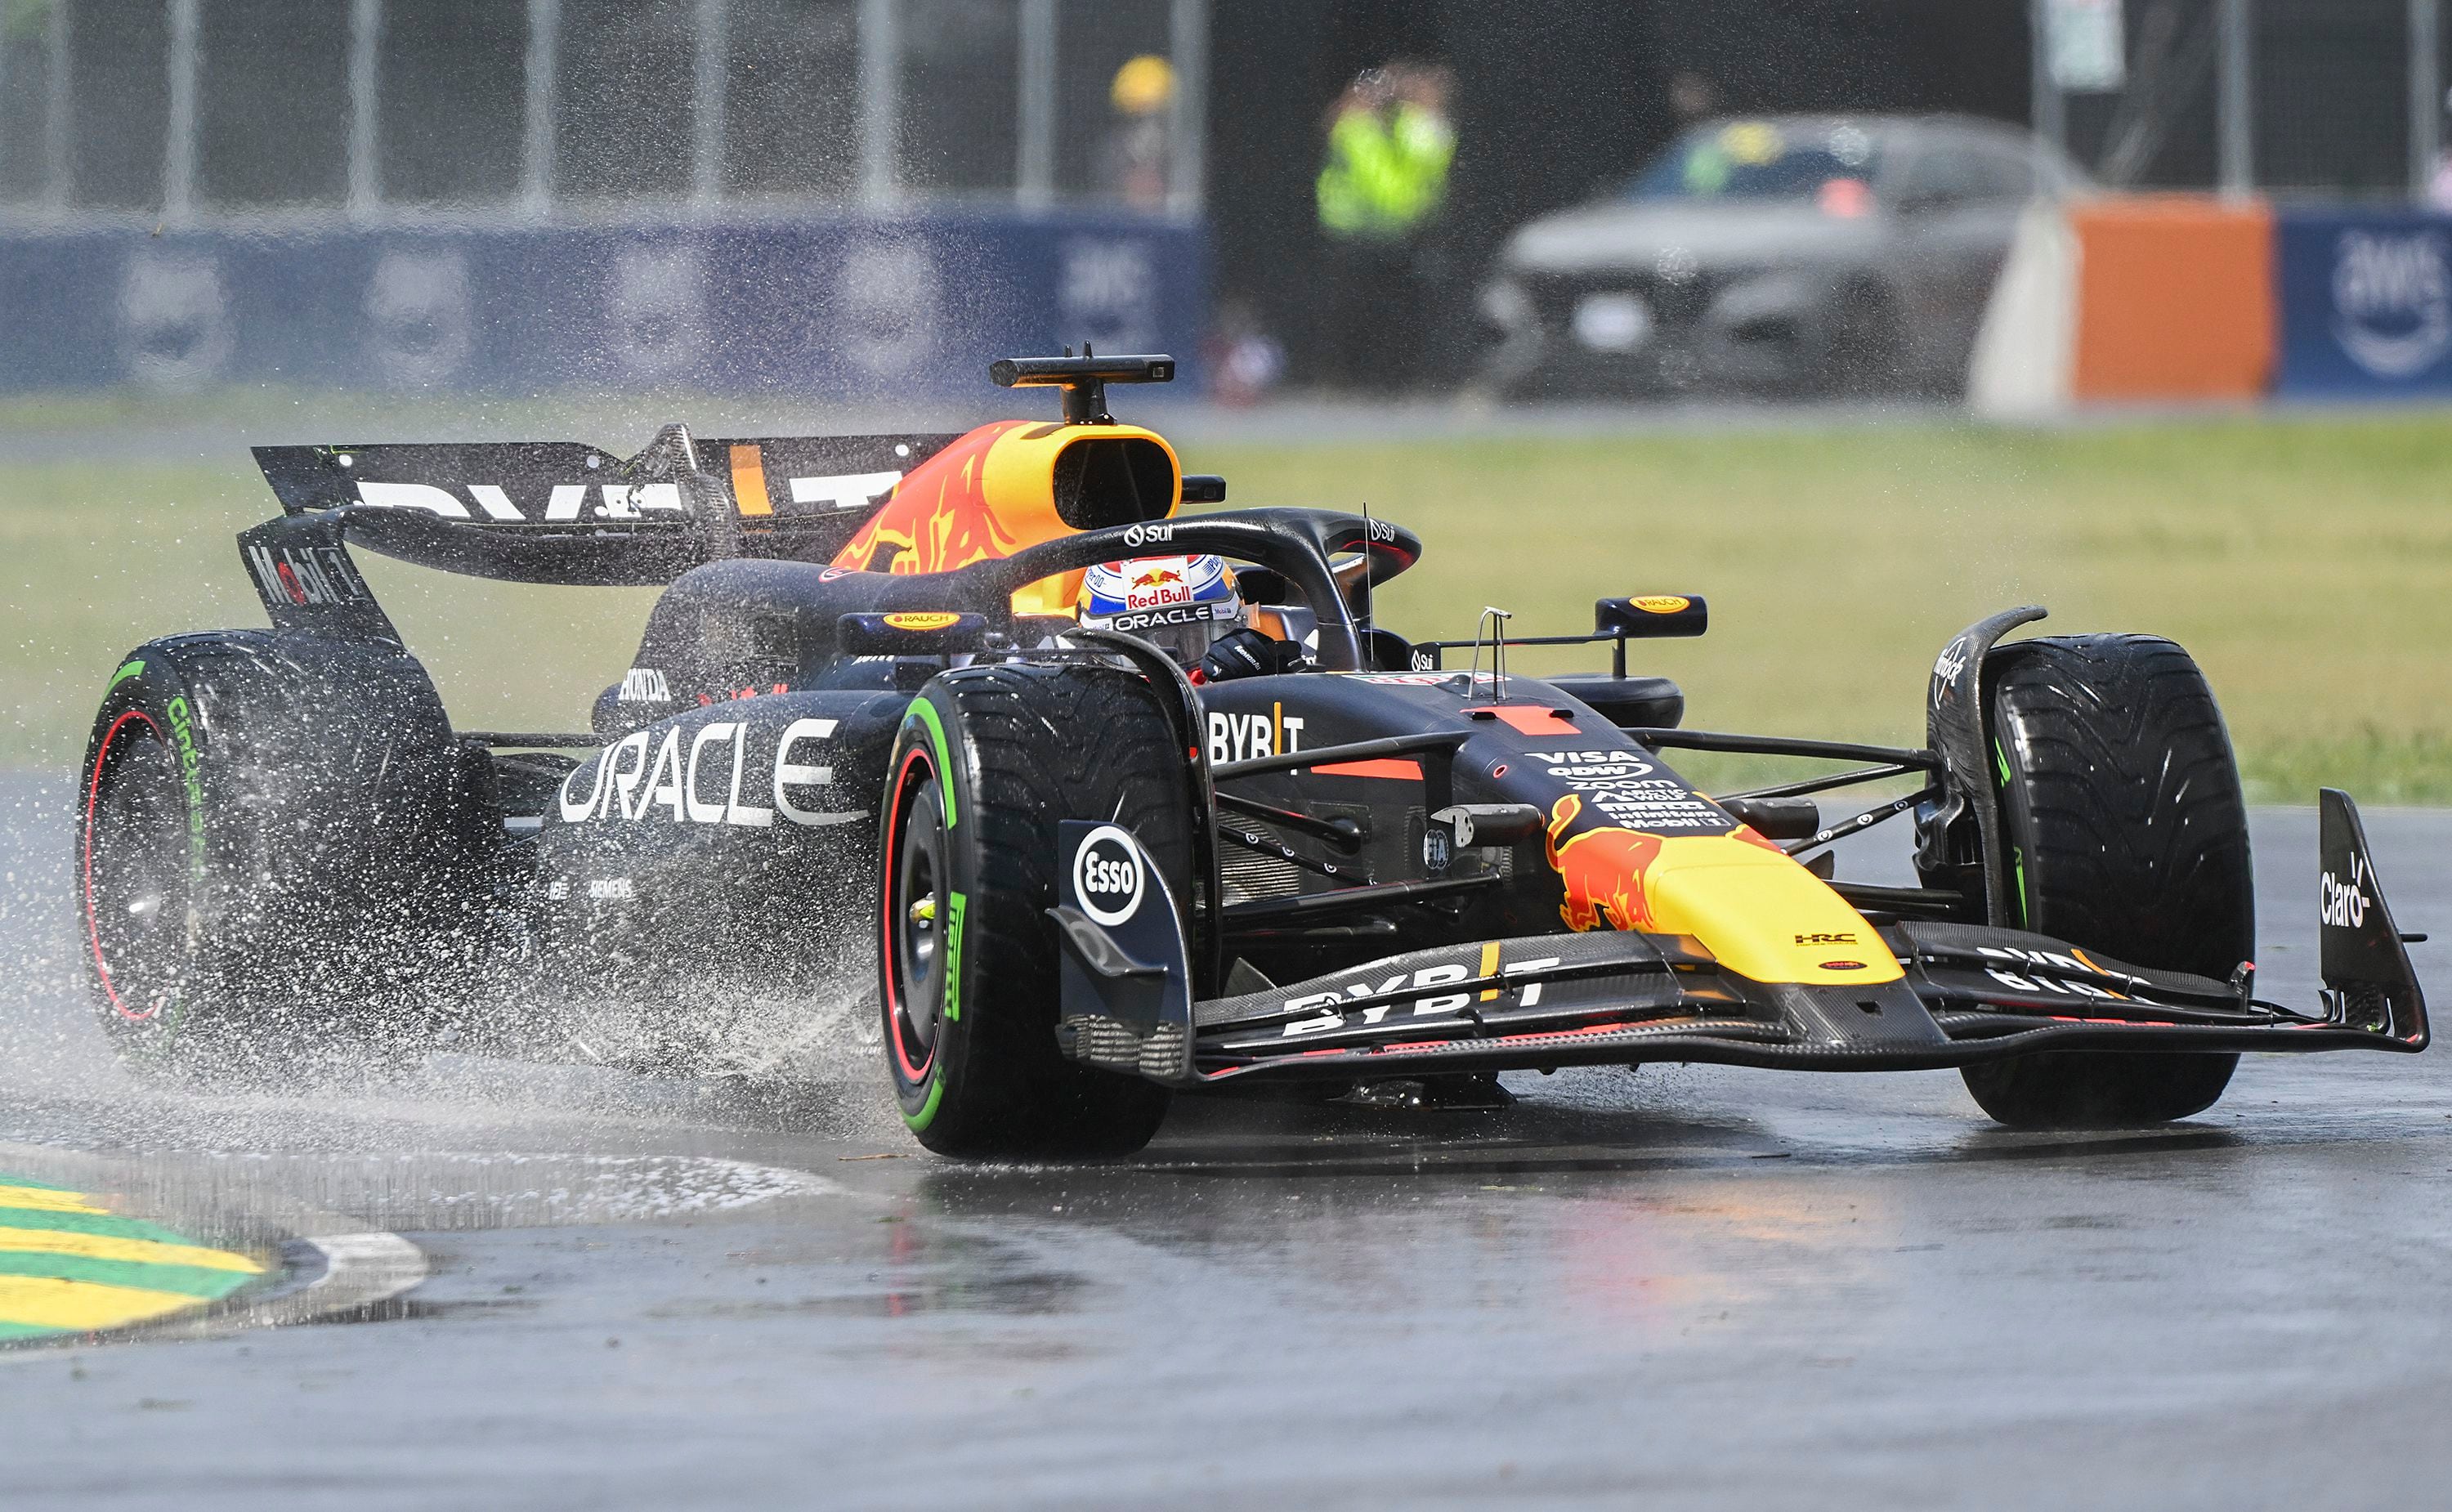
point(1385, 174)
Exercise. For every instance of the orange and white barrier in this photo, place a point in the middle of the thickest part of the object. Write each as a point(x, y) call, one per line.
point(2144, 299)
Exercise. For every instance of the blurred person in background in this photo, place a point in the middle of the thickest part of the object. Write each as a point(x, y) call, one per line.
point(1693, 98)
point(1132, 165)
point(1245, 361)
point(1382, 187)
point(2439, 184)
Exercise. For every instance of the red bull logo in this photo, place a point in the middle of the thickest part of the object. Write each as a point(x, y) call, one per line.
point(1602, 869)
point(1158, 578)
point(939, 517)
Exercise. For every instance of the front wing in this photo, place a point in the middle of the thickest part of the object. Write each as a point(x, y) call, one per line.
point(1967, 993)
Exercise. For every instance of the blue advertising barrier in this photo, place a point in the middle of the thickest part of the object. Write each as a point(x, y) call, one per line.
point(841, 307)
point(2366, 302)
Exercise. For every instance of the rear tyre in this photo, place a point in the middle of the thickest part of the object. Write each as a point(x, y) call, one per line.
point(989, 761)
point(272, 850)
point(2126, 834)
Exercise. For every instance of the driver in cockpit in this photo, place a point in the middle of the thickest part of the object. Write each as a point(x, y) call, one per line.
point(1193, 608)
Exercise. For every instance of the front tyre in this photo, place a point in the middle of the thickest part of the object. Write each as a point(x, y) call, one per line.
point(988, 763)
point(2126, 834)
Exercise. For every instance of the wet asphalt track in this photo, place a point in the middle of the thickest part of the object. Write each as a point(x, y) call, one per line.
point(1691, 1287)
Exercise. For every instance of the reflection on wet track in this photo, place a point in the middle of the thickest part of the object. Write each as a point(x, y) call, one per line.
point(1691, 1285)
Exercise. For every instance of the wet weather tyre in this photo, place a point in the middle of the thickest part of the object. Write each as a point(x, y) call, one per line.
point(989, 761)
point(270, 848)
point(2126, 834)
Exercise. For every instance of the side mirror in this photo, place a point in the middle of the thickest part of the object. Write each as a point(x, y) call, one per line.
point(1651, 617)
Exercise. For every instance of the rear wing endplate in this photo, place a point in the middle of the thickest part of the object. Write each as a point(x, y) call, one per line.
point(301, 568)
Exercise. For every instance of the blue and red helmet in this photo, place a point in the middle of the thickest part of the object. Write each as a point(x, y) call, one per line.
point(1180, 602)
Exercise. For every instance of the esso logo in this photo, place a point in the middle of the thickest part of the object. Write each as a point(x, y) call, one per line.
point(1107, 876)
point(1148, 535)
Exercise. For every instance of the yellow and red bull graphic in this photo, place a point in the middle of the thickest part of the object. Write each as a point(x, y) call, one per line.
point(1746, 901)
point(986, 496)
point(1602, 870)
point(940, 517)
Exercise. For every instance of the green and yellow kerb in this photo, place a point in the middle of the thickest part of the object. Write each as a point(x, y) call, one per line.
point(69, 1265)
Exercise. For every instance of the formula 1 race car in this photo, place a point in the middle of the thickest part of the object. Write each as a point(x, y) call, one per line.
point(1122, 822)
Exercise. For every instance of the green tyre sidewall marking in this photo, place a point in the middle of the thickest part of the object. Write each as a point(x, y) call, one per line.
point(954, 906)
point(923, 715)
point(184, 731)
point(155, 685)
point(186, 739)
point(2017, 854)
point(927, 1113)
point(926, 713)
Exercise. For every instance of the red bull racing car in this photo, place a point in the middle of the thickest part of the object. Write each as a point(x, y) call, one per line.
point(1132, 803)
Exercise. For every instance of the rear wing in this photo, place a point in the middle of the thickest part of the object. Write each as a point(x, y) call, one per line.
point(568, 513)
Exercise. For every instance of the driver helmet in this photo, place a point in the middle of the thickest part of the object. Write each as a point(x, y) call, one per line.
point(1181, 603)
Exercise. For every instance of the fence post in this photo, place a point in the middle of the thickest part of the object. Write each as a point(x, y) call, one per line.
point(1034, 125)
point(1186, 139)
point(536, 143)
point(2235, 124)
point(2051, 116)
point(366, 29)
point(179, 130)
point(710, 68)
point(56, 188)
point(880, 100)
point(2426, 94)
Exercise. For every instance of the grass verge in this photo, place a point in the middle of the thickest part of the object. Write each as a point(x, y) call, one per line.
point(2308, 562)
